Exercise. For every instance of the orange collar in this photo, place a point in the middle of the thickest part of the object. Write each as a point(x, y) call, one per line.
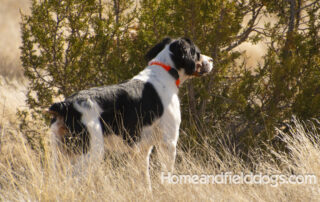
point(170, 70)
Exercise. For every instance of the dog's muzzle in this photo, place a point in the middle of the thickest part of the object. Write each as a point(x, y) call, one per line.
point(204, 66)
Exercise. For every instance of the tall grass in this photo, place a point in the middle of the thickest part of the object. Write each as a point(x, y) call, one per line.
point(29, 174)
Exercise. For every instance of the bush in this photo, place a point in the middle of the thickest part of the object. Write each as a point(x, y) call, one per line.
point(72, 45)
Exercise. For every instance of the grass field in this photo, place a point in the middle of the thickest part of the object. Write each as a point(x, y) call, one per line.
point(28, 174)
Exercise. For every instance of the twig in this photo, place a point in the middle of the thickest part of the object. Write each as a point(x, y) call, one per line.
point(2, 124)
point(245, 34)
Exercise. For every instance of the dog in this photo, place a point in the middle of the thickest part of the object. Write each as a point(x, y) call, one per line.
point(144, 111)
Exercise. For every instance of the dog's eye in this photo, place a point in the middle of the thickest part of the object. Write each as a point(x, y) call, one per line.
point(198, 56)
point(192, 51)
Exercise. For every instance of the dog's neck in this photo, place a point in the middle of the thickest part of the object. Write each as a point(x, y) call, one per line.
point(158, 77)
point(164, 58)
point(172, 71)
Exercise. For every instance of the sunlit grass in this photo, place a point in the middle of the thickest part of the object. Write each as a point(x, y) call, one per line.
point(29, 174)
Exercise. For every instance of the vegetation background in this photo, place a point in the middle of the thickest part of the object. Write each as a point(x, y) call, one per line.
point(266, 71)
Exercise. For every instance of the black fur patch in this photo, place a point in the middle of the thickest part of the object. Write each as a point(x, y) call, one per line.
point(184, 55)
point(136, 104)
point(153, 52)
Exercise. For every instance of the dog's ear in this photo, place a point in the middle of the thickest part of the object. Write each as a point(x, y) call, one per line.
point(187, 40)
point(153, 52)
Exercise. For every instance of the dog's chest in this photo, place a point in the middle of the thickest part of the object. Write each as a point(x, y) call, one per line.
point(165, 86)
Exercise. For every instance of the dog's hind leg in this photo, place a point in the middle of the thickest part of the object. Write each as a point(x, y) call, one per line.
point(91, 119)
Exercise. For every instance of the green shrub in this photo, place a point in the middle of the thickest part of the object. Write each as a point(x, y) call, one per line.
point(69, 45)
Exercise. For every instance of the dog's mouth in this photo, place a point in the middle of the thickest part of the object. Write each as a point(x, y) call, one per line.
point(201, 70)
point(198, 74)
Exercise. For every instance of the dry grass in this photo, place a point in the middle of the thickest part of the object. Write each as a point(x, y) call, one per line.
point(13, 85)
point(29, 175)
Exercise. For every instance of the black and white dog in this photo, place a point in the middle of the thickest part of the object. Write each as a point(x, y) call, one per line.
point(144, 111)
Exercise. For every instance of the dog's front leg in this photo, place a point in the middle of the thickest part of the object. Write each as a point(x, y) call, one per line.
point(167, 155)
point(141, 155)
point(167, 146)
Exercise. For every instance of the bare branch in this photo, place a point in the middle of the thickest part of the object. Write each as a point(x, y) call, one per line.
point(308, 5)
point(290, 27)
point(245, 34)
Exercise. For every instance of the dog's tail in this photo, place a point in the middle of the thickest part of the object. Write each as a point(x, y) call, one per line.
point(59, 109)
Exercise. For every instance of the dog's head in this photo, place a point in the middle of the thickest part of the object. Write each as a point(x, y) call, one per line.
point(183, 55)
